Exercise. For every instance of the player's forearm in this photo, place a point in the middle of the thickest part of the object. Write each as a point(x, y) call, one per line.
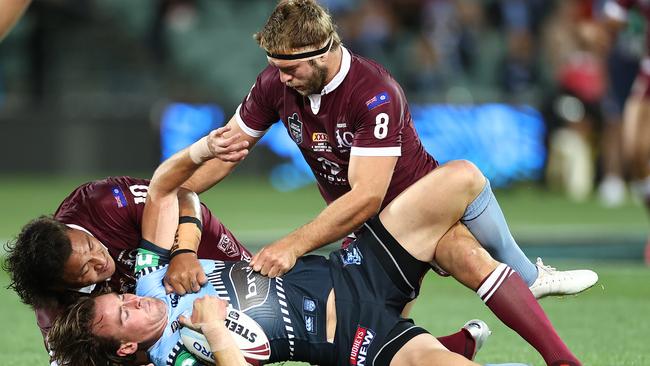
point(340, 218)
point(224, 349)
point(208, 175)
point(10, 12)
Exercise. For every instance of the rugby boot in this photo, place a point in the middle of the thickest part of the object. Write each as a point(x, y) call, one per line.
point(550, 281)
point(479, 331)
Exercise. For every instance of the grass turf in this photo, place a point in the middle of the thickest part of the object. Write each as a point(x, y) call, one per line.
point(605, 326)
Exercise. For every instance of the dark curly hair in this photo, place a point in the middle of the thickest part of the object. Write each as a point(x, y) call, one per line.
point(73, 342)
point(35, 262)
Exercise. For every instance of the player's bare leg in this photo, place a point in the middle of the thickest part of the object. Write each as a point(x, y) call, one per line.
point(408, 219)
point(636, 144)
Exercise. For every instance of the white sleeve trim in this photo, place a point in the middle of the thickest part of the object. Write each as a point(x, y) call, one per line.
point(249, 131)
point(615, 11)
point(376, 151)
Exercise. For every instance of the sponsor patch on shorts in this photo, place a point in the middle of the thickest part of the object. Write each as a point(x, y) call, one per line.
point(363, 338)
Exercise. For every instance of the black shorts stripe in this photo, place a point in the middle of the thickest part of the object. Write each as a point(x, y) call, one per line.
point(404, 270)
point(397, 338)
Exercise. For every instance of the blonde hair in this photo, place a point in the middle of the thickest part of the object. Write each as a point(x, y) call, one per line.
point(296, 24)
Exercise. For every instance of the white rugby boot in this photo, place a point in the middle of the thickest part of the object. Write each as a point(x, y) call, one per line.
point(480, 331)
point(550, 281)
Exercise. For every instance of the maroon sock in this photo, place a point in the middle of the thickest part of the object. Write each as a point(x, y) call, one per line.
point(507, 295)
point(460, 342)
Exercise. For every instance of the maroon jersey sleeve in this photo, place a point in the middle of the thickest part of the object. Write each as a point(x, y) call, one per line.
point(379, 120)
point(217, 242)
point(259, 110)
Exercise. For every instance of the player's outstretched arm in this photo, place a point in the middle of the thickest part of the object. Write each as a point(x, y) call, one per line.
point(229, 147)
point(369, 179)
point(10, 12)
point(208, 316)
point(185, 273)
point(158, 225)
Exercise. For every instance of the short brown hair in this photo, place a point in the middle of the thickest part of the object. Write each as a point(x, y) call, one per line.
point(297, 24)
point(73, 342)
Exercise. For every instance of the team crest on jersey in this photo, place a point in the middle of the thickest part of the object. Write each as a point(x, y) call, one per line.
point(295, 128)
point(377, 100)
point(362, 340)
point(351, 255)
point(227, 246)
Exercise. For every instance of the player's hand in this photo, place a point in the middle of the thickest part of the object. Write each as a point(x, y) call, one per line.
point(226, 148)
point(184, 274)
point(208, 311)
point(275, 259)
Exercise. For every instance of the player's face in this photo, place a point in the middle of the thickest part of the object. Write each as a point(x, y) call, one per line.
point(129, 318)
point(305, 77)
point(89, 262)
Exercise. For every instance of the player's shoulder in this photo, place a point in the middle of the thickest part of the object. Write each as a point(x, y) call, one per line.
point(269, 79)
point(369, 78)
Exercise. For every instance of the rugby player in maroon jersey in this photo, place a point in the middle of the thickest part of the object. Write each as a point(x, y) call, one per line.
point(89, 246)
point(351, 122)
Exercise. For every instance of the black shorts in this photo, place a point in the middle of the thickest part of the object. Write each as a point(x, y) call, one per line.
point(374, 278)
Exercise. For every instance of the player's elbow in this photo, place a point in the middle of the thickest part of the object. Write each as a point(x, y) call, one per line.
point(371, 203)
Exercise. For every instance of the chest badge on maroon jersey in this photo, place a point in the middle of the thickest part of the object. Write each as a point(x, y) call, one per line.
point(295, 128)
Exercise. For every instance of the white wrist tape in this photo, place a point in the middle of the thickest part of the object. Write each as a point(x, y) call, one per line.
point(200, 152)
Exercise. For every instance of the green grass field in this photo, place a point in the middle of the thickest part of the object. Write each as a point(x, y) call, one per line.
point(604, 326)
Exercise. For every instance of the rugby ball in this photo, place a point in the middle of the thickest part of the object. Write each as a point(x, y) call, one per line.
point(247, 333)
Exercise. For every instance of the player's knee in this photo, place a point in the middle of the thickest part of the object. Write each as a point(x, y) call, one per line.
point(467, 176)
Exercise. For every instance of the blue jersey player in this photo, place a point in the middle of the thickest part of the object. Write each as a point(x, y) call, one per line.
point(355, 297)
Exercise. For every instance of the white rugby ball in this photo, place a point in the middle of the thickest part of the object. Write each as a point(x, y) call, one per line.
point(248, 335)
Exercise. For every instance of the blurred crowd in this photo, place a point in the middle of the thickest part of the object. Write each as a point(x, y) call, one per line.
point(553, 55)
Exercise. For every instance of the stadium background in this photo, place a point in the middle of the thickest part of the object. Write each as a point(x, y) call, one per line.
point(86, 87)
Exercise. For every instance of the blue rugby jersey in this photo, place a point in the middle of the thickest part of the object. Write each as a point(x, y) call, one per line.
point(290, 309)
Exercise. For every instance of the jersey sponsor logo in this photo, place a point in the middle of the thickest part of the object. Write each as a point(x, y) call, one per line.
point(176, 325)
point(320, 142)
point(251, 288)
point(145, 259)
point(228, 246)
point(319, 137)
point(295, 128)
point(173, 299)
point(310, 323)
point(308, 304)
point(120, 199)
point(377, 100)
point(362, 340)
point(332, 170)
point(351, 255)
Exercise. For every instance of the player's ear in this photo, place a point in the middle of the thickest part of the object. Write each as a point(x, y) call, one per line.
point(127, 348)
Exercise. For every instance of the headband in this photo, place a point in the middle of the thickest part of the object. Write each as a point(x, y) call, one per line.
point(303, 56)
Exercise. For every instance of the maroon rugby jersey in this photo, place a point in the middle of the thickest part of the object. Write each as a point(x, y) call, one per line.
point(362, 111)
point(111, 210)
